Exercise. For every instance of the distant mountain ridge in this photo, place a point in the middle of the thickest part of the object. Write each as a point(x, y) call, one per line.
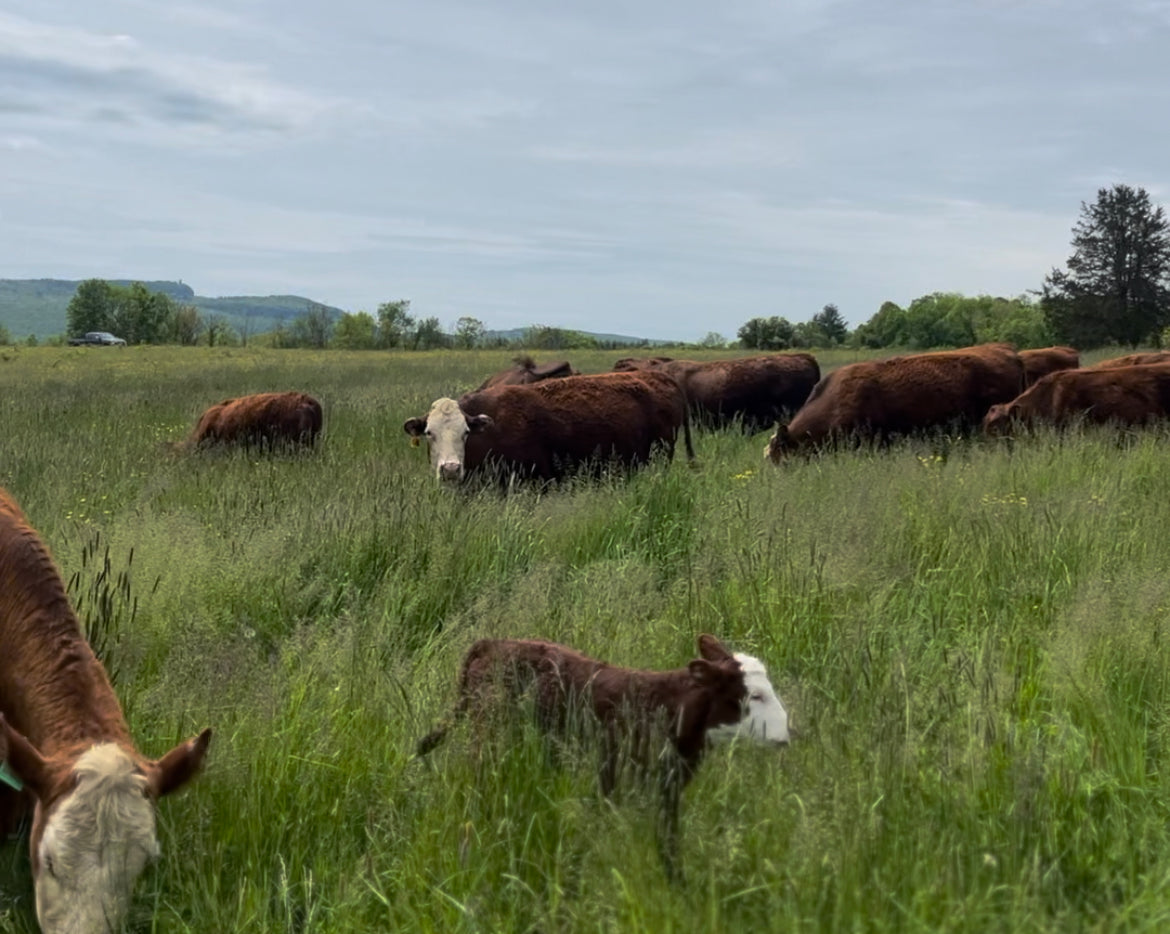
point(37, 306)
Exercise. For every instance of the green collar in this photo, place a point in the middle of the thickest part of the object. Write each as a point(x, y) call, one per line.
point(9, 777)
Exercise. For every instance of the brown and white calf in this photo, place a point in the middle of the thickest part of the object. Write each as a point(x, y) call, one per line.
point(63, 736)
point(716, 696)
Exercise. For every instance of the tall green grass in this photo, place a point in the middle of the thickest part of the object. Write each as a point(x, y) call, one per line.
point(969, 637)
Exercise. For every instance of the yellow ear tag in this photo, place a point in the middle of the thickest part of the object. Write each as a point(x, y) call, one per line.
point(414, 442)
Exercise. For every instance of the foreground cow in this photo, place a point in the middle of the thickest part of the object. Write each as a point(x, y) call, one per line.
point(549, 429)
point(661, 719)
point(900, 395)
point(1129, 395)
point(266, 419)
point(525, 371)
point(64, 737)
point(1044, 360)
point(757, 390)
point(1134, 359)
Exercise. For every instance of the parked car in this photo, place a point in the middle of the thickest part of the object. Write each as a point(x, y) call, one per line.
point(97, 339)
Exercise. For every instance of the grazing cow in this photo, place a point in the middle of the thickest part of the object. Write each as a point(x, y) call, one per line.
point(900, 395)
point(1134, 359)
point(527, 371)
point(551, 428)
point(642, 714)
point(64, 737)
point(1129, 395)
point(264, 419)
point(1045, 360)
point(757, 390)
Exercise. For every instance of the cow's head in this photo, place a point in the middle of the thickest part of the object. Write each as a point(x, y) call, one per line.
point(758, 714)
point(999, 418)
point(93, 825)
point(446, 428)
point(779, 444)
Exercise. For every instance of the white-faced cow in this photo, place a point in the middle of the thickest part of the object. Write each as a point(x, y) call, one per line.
point(63, 736)
point(551, 428)
point(661, 720)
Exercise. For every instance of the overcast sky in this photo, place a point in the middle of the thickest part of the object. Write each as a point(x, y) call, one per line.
point(661, 169)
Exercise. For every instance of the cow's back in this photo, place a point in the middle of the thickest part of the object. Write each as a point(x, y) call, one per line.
point(903, 394)
point(546, 428)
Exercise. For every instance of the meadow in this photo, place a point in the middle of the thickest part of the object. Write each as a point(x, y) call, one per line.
point(967, 635)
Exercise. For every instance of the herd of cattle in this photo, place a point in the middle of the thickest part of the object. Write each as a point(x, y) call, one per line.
point(66, 753)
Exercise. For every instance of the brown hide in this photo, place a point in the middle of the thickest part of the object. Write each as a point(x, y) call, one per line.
point(1044, 360)
point(266, 418)
point(1134, 359)
point(1129, 395)
point(899, 395)
point(550, 428)
point(527, 371)
point(757, 390)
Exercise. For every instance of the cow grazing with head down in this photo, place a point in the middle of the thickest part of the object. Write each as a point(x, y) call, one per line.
point(526, 370)
point(901, 395)
point(265, 419)
point(1134, 359)
point(1129, 395)
point(549, 429)
point(64, 737)
point(662, 720)
point(757, 390)
point(1044, 360)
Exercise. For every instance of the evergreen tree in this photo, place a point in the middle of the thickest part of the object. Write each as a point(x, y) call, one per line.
point(1116, 285)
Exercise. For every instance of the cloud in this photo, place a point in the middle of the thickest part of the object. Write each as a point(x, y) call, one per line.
point(62, 73)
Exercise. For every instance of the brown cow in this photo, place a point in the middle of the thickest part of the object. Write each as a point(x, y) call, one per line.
point(263, 419)
point(757, 390)
point(526, 371)
point(92, 792)
point(551, 428)
point(1045, 360)
point(1129, 395)
point(900, 395)
point(643, 713)
point(1134, 359)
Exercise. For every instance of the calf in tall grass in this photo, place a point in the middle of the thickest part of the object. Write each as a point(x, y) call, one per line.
point(67, 750)
point(659, 720)
point(264, 419)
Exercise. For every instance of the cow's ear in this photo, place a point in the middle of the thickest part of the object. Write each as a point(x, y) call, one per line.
point(712, 649)
point(478, 422)
point(415, 427)
point(702, 672)
point(177, 767)
point(23, 759)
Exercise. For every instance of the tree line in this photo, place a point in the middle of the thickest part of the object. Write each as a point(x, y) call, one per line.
point(1115, 290)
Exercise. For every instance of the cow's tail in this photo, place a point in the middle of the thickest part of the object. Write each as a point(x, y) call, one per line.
point(436, 736)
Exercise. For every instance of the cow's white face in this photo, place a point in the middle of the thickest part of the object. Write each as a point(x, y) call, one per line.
point(96, 841)
point(446, 428)
point(764, 720)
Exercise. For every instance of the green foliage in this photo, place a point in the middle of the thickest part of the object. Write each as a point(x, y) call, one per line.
point(92, 308)
point(1117, 285)
point(186, 326)
point(767, 333)
point(312, 329)
point(429, 335)
point(949, 319)
point(354, 332)
point(543, 337)
point(394, 324)
point(713, 341)
point(5, 336)
point(971, 638)
point(830, 326)
point(469, 332)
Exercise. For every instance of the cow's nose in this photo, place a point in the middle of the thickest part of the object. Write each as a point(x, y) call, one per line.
point(450, 471)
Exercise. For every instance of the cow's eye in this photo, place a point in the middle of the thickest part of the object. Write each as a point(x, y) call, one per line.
point(756, 697)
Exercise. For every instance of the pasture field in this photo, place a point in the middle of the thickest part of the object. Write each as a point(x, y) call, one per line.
point(968, 636)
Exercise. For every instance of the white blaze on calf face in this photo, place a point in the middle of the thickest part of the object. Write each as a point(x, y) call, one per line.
point(446, 428)
point(765, 720)
point(97, 840)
